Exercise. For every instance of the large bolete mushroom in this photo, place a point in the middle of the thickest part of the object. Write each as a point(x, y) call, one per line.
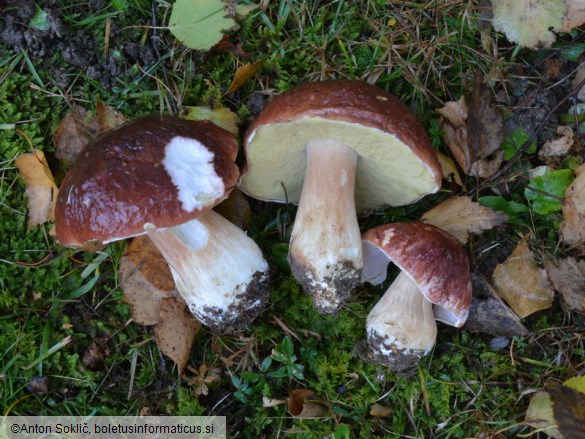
point(434, 283)
point(334, 147)
point(161, 176)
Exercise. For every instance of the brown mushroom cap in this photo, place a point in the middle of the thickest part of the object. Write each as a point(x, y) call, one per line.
point(433, 259)
point(397, 164)
point(121, 181)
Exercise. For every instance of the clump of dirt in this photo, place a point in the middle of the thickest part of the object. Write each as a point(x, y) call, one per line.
point(63, 49)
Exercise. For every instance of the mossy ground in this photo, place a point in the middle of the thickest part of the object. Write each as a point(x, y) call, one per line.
point(53, 309)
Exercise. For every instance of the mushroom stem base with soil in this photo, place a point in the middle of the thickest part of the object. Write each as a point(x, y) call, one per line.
point(325, 248)
point(401, 327)
point(217, 268)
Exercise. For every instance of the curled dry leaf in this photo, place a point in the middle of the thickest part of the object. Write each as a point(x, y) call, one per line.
point(455, 128)
point(461, 216)
point(568, 278)
point(41, 189)
point(524, 286)
point(485, 131)
point(474, 134)
point(304, 403)
point(176, 329)
point(573, 227)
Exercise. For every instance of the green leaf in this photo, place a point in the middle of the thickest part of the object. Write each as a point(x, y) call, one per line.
point(513, 142)
point(510, 208)
point(574, 52)
point(546, 191)
point(199, 24)
point(40, 20)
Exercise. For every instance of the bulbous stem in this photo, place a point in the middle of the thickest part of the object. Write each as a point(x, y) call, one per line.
point(218, 270)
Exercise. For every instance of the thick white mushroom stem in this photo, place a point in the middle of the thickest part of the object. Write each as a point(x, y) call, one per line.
point(325, 252)
point(218, 270)
point(401, 327)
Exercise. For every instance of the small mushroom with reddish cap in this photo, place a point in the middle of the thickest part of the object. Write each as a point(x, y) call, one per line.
point(162, 175)
point(434, 284)
point(335, 147)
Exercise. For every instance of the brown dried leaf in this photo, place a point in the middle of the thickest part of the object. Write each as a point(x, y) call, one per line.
point(304, 403)
point(559, 146)
point(579, 76)
point(524, 286)
point(455, 113)
point(568, 278)
point(485, 131)
point(145, 279)
point(226, 45)
point(74, 131)
point(41, 189)
point(559, 410)
point(573, 227)
point(176, 330)
point(108, 117)
point(460, 216)
point(243, 74)
point(236, 209)
point(222, 117)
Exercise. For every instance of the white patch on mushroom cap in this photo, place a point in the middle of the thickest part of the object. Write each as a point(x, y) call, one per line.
point(190, 166)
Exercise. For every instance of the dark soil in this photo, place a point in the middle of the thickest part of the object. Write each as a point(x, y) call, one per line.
point(63, 49)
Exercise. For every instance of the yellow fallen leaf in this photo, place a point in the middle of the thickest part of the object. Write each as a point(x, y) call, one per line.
point(530, 22)
point(449, 170)
point(243, 74)
point(573, 227)
point(461, 216)
point(524, 286)
point(41, 189)
point(559, 410)
point(222, 117)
